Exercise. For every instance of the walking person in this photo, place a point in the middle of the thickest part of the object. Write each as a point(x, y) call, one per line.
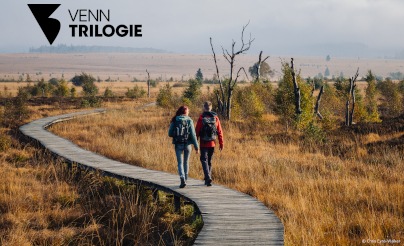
point(183, 133)
point(208, 129)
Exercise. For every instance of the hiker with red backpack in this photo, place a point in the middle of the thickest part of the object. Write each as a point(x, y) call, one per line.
point(208, 129)
point(183, 133)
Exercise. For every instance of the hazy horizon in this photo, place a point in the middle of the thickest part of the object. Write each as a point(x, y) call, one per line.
point(362, 28)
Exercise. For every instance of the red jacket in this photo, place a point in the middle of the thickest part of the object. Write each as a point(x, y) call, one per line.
point(219, 131)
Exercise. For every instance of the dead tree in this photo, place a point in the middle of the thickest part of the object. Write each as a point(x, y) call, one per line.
point(351, 95)
point(259, 63)
point(317, 107)
point(296, 90)
point(148, 83)
point(224, 95)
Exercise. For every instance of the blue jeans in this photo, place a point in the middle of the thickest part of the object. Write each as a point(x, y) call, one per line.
point(183, 151)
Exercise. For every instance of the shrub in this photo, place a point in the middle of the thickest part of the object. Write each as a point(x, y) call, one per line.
point(92, 102)
point(54, 81)
point(154, 83)
point(314, 133)
point(62, 89)
point(193, 92)
point(135, 92)
point(16, 110)
point(108, 93)
point(332, 107)
point(265, 92)
point(90, 89)
point(79, 80)
point(248, 104)
point(392, 103)
point(371, 99)
point(166, 98)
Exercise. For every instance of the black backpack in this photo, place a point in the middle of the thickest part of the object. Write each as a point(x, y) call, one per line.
point(181, 131)
point(208, 130)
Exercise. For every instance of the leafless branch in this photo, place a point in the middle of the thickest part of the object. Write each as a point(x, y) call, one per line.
point(217, 69)
point(238, 75)
point(226, 55)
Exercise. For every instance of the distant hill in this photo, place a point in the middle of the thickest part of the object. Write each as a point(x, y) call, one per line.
point(62, 48)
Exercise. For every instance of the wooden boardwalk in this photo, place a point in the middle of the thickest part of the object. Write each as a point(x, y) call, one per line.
point(230, 217)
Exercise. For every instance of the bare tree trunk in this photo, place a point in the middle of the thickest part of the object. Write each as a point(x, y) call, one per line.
point(259, 63)
point(352, 86)
point(230, 88)
point(296, 90)
point(317, 107)
point(148, 83)
point(353, 103)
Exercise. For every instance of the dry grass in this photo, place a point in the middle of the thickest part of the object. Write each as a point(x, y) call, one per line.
point(43, 202)
point(322, 199)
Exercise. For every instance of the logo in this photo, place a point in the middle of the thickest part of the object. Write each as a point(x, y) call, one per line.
point(49, 26)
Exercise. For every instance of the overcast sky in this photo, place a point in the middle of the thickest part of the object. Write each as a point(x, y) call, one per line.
point(279, 27)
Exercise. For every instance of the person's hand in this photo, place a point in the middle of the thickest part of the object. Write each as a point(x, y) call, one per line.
point(221, 148)
point(197, 151)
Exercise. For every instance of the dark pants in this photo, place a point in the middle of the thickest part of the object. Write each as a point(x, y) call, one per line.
point(206, 160)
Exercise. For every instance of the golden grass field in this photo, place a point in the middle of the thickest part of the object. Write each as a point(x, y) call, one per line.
point(337, 194)
point(322, 199)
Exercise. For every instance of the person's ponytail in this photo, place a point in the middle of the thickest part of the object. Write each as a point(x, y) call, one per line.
point(181, 110)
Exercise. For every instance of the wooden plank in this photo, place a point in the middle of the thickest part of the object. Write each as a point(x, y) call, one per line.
point(230, 217)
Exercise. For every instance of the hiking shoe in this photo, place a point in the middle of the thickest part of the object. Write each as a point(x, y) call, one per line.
point(182, 185)
point(209, 184)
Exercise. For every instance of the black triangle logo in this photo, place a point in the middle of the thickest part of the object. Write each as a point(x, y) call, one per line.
point(49, 26)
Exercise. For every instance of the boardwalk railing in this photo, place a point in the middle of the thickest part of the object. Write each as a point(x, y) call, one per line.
point(230, 217)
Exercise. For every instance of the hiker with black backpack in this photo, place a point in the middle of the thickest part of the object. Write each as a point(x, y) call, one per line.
point(208, 129)
point(183, 133)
